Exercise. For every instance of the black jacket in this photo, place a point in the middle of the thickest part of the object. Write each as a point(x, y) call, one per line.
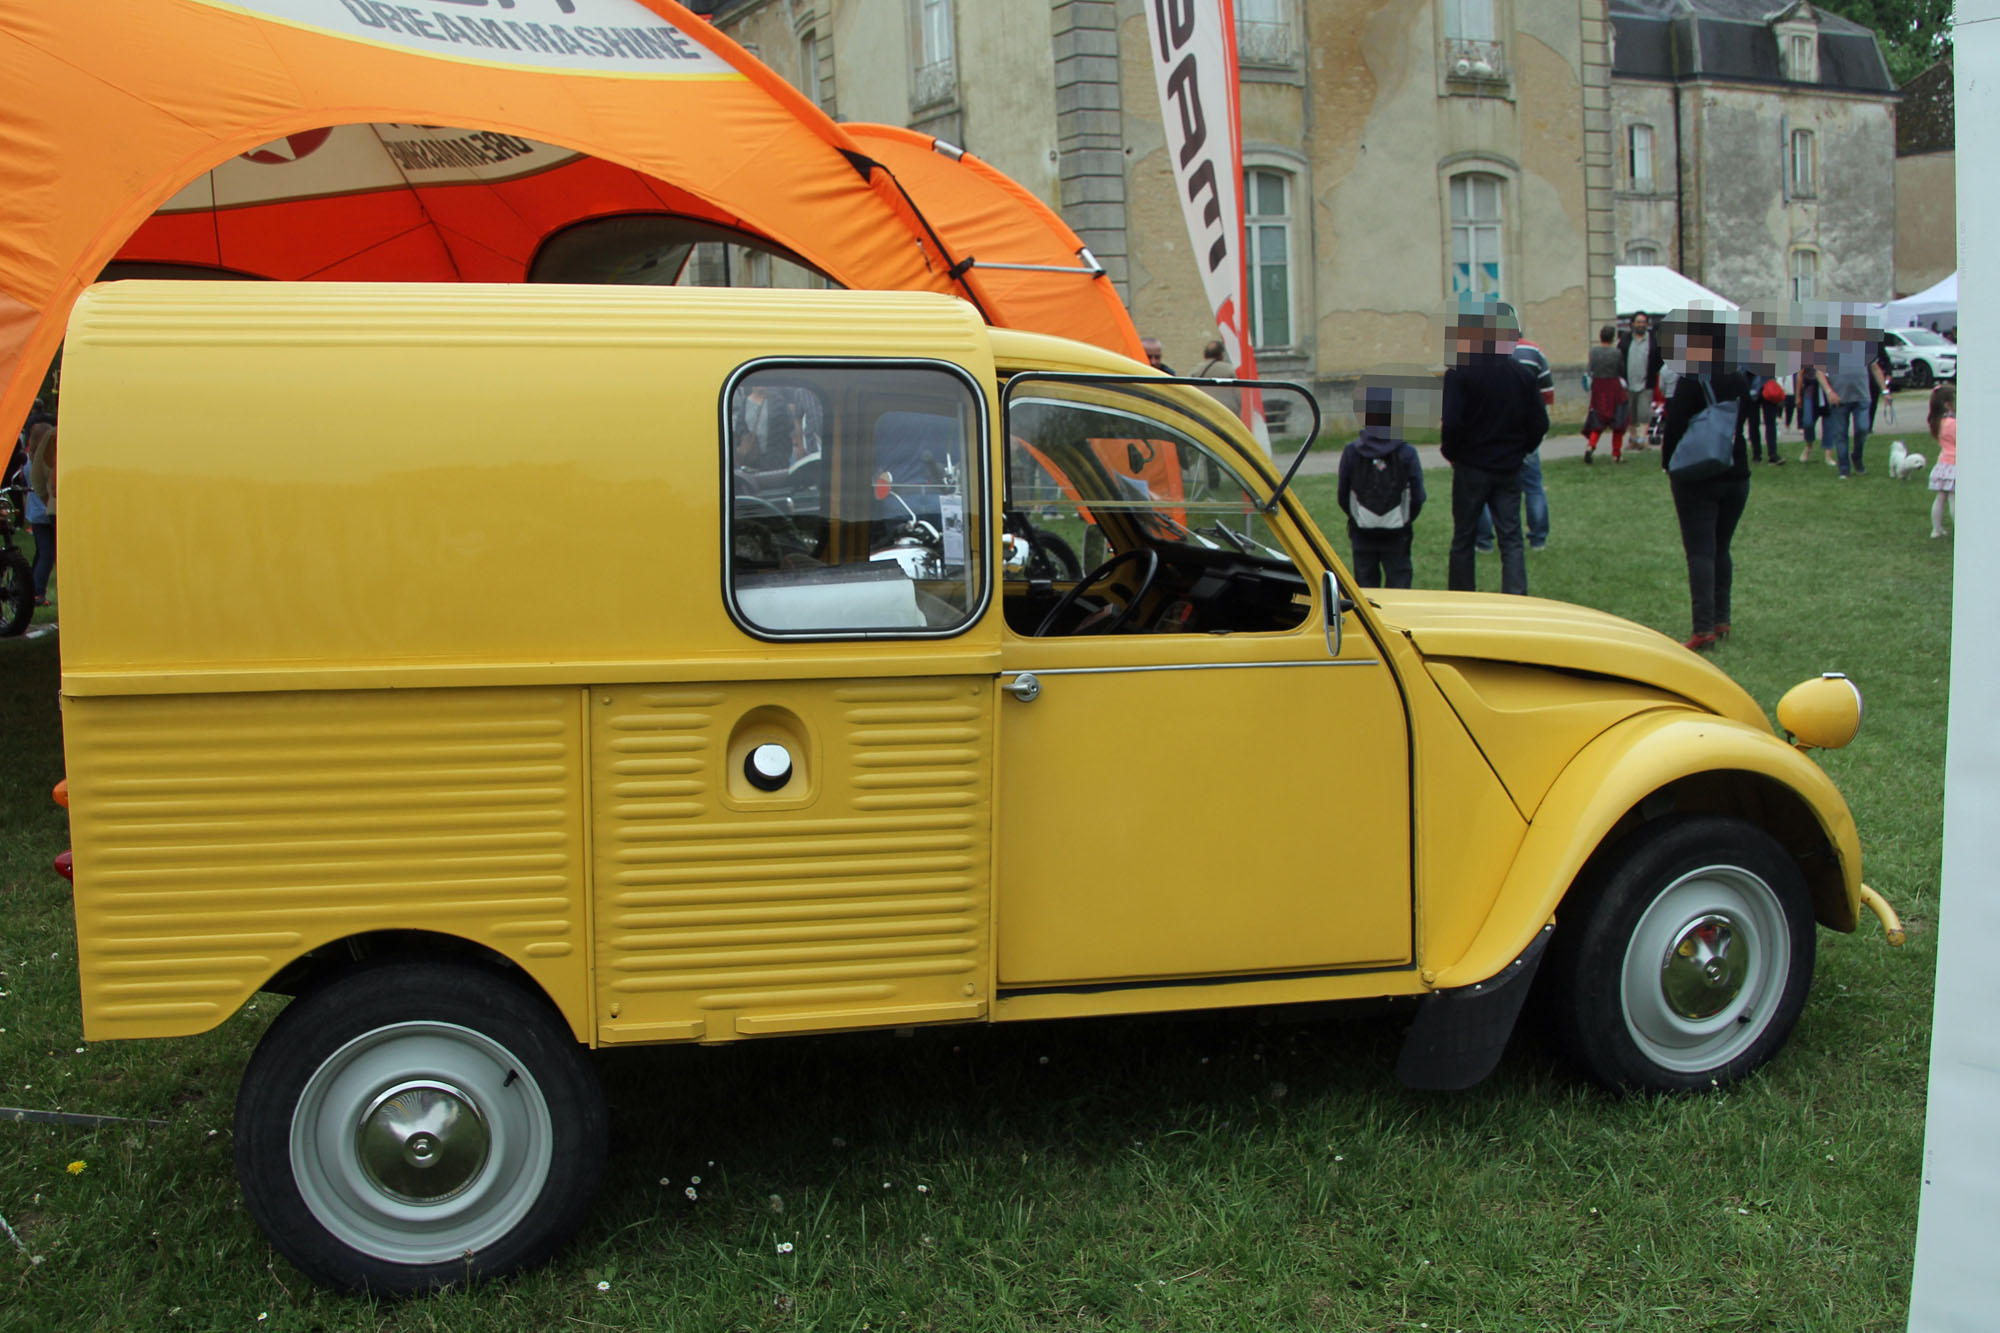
point(1688, 399)
point(1493, 413)
point(1654, 357)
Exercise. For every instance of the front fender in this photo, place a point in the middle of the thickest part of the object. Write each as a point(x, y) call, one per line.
point(1719, 764)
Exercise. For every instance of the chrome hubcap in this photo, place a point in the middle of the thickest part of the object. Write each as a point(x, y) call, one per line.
point(422, 1142)
point(1703, 971)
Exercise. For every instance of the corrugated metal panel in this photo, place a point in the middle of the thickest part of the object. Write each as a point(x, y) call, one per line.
point(219, 837)
point(855, 896)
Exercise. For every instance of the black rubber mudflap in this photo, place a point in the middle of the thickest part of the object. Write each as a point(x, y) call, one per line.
point(1459, 1034)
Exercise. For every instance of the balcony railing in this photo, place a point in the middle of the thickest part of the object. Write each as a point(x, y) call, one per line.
point(1264, 42)
point(935, 84)
point(1474, 60)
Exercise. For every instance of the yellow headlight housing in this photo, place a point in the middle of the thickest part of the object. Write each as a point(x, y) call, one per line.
point(1821, 714)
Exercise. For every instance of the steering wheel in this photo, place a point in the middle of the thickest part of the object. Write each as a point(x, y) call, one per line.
point(1096, 576)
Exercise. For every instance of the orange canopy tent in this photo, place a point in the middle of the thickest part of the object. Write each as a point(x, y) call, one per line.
point(1015, 254)
point(425, 203)
point(121, 115)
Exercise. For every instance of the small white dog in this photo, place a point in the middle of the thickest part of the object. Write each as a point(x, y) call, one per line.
point(1902, 462)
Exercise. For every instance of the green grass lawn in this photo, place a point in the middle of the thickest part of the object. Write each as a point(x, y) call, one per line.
point(1175, 1174)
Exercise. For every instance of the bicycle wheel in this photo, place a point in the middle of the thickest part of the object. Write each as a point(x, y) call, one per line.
point(17, 592)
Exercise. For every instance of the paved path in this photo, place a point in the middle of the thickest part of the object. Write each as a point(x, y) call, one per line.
point(1326, 462)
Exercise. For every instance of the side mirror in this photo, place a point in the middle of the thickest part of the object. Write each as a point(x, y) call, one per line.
point(1337, 607)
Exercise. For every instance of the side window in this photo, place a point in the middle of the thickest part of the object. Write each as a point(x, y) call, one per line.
point(855, 504)
point(1125, 516)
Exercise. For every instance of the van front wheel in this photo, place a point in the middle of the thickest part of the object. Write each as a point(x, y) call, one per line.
point(415, 1126)
point(1685, 963)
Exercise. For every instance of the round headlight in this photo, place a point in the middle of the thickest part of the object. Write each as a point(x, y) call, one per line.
point(1822, 714)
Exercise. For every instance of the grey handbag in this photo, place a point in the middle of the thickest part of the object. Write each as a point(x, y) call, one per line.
point(1708, 447)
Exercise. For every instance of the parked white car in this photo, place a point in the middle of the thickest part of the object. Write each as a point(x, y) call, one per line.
point(1919, 357)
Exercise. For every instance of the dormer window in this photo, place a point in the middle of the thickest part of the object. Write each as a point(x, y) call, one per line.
point(1798, 44)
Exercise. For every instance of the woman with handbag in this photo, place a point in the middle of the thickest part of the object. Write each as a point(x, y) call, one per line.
point(1703, 434)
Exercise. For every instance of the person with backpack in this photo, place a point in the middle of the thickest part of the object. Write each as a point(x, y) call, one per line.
point(1381, 489)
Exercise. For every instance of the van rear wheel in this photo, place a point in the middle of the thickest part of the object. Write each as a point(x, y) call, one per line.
point(1684, 963)
point(415, 1126)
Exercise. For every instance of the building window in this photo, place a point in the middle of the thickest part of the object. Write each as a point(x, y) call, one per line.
point(936, 73)
point(809, 67)
point(1805, 275)
point(1264, 32)
point(1802, 57)
point(1476, 235)
point(1642, 254)
point(1801, 169)
point(1639, 156)
point(1472, 47)
point(1267, 232)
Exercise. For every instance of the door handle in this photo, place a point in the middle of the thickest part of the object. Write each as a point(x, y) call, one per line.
point(1025, 687)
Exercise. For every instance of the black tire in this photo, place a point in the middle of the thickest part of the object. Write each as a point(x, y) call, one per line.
point(1050, 557)
point(1920, 375)
point(1683, 959)
point(431, 1196)
point(17, 592)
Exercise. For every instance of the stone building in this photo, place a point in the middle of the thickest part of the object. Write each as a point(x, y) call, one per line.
point(1756, 148)
point(1926, 182)
point(1395, 152)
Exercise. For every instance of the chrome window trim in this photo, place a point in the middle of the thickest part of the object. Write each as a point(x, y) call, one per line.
point(981, 445)
point(1187, 666)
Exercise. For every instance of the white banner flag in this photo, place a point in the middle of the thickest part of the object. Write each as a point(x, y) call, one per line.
point(1194, 66)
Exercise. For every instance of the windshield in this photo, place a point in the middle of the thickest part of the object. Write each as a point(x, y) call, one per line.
point(1924, 338)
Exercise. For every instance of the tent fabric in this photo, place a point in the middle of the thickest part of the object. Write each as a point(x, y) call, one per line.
point(1931, 303)
point(985, 217)
point(113, 106)
point(1657, 290)
point(397, 203)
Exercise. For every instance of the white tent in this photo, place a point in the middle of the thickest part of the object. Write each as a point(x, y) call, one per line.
point(1658, 290)
point(1939, 304)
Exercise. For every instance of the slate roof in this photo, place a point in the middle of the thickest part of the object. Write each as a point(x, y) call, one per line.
point(1732, 41)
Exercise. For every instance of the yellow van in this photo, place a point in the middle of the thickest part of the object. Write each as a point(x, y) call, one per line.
point(505, 672)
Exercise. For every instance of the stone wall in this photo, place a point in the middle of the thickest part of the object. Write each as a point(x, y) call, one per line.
point(1926, 220)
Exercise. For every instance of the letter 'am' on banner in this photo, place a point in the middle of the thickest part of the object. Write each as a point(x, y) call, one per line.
point(580, 36)
point(1194, 67)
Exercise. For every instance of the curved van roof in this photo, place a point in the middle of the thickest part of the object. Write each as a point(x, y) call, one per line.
point(298, 485)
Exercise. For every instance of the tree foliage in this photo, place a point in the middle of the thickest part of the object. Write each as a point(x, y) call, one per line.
point(1915, 34)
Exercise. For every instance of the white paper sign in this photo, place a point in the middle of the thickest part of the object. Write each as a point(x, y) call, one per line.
point(576, 36)
point(951, 518)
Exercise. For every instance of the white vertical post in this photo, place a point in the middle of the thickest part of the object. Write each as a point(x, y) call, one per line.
point(1957, 1284)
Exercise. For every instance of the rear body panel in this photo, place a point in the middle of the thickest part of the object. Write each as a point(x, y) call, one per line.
point(858, 896)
